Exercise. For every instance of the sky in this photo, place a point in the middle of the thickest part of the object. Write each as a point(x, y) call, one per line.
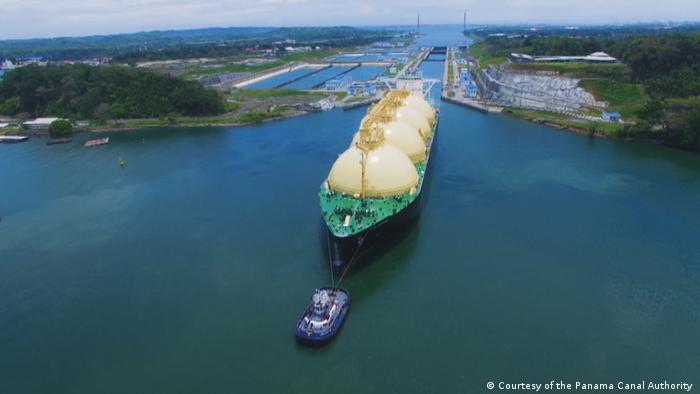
point(54, 18)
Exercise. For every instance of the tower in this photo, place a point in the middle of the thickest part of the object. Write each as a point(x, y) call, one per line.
point(418, 25)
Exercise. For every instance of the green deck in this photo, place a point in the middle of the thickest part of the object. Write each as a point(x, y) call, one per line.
point(366, 212)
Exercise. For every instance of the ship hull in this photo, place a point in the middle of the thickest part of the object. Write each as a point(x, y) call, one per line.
point(357, 248)
point(344, 250)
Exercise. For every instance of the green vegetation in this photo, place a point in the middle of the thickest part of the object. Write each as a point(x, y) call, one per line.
point(482, 52)
point(665, 63)
point(60, 128)
point(271, 93)
point(313, 55)
point(251, 117)
point(232, 106)
point(186, 44)
point(626, 98)
point(83, 92)
point(655, 89)
point(356, 99)
point(235, 67)
point(605, 128)
point(113, 45)
point(283, 60)
point(259, 117)
point(578, 69)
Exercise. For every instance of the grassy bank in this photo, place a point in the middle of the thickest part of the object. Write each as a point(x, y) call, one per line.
point(272, 93)
point(578, 69)
point(480, 51)
point(234, 67)
point(256, 68)
point(252, 117)
point(606, 82)
point(626, 98)
point(577, 125)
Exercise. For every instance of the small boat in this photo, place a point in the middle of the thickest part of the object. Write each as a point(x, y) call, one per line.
point(323, 316)
point(54, 141)
point(99, 141)
point(13, 138)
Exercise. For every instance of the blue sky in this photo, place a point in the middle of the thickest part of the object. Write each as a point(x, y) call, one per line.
point(44, 18)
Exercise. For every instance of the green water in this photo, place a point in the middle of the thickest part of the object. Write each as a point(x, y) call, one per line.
point(540, 255)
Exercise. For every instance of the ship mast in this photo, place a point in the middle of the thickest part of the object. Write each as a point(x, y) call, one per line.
point(371, 133)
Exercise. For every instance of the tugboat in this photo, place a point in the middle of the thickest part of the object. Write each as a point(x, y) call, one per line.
point(323, 316)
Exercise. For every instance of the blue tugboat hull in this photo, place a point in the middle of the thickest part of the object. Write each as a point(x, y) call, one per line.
point(318, 338)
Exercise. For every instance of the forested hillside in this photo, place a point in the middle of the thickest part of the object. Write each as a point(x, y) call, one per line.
point(84, 92)
point(666, 67)
point(669, 64)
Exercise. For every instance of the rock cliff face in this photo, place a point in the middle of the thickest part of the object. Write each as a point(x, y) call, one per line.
point(527, 90)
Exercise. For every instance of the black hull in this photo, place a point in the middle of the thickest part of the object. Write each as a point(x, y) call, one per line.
point(382, 236)
point(343, 250)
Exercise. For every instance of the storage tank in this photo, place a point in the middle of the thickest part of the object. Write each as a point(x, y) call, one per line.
point(403, 136)
point(415, 118)
point(387, 172)
point(421, 104)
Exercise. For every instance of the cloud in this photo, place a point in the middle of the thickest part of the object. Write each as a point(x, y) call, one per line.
point(40, 18)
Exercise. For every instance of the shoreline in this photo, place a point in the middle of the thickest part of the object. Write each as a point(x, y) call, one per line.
point(586, 133)
point(108, 129)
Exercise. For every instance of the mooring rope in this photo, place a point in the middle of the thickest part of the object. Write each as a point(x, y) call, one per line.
point(352, 258)
point(330, 259)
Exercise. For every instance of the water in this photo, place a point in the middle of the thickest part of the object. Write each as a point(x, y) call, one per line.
point(540, 255)
point(364, 73)
point(271, 82)
point(396, 57)
point(364, 57)
point(317, 78)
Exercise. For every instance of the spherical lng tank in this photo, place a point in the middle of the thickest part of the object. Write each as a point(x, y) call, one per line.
point(421, 104)
point(387, 172)
point(403, 136)
point(415, 118)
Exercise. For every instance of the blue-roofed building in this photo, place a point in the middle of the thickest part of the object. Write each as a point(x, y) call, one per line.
point(613, 117)
point(470, 90)
point(362, 89)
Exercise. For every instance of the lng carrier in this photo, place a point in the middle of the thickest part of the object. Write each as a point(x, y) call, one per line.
point(375, 186)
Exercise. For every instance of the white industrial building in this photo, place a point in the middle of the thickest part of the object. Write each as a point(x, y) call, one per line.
point(40, 123)
point(595, 57)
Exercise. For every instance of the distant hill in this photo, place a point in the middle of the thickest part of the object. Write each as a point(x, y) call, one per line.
point(118, 44)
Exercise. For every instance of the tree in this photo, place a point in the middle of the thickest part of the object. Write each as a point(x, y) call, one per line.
point(692, 129)
point(60, 127)
point(118, 111)
point(653, 113)
point(9, 107)
point(102, 113)
point(83, 92)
